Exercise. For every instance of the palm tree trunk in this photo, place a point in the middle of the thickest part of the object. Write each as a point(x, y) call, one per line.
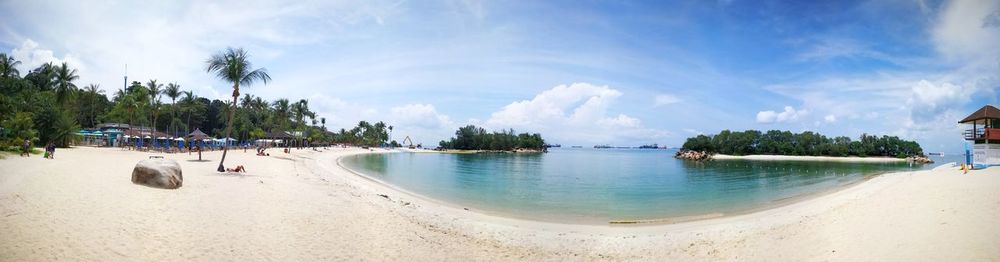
point(229, 128)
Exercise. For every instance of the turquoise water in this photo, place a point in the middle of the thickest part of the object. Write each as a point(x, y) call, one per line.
point(596, 186)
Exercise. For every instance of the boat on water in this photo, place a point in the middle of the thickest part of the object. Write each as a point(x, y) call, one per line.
point(602, 146)
point(577, 146)
point(653, 146)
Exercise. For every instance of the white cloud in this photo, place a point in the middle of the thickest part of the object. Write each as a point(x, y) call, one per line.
point(789, 115)
point(927, 94)
point(665, 99)
point(576, 113)
point(968, 30)
point(31, 57)
point(829, 48)
point(693, 131)
point(420, 116)
point(830, 118)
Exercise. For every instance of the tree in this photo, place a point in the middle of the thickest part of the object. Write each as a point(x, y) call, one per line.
point(805, 143)
point(64, 77)
point(233, 65)
point(43, 77)
point(155, 90)
point(173, 91)
point(189, 103)
point(282, 111)
point(8, 66)
point(20, 127)
point(475, 138)
point(94, 92)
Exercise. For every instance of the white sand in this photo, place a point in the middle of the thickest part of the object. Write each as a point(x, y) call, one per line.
point(812, 158)
point(303, 207)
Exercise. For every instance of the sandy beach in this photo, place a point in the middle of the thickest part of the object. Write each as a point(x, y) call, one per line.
point(304, 207)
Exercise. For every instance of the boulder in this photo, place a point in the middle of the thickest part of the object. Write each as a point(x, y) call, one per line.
point(693, 155)
point(919, 160)
point(159, 173)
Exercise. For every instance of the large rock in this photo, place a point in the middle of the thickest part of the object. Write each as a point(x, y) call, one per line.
point(159, 173)
point(919, 160)
point(693, 155)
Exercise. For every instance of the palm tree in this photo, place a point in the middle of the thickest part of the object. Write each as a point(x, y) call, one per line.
point(282, 110)
point(322, 120)
point(188, 102)
point(119, 95)
point(173, 91)
point(301, 111)
point(94, 90)
point(233, 65)
point(64, 82)
point(155, 90)
point(42, 76)
point(8, 66)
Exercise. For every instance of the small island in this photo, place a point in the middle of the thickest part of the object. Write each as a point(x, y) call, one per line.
point(475, 139)
point(785, 145)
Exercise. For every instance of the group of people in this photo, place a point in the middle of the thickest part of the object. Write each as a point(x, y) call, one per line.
point(50, 149)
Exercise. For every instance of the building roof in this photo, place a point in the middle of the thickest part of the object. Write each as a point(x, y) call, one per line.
point(987, 111)
point(113, 125)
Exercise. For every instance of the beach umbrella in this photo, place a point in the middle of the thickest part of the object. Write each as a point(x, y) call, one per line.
point(197, 135)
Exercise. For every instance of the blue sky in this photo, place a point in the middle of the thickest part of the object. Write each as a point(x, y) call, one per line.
point(580, 72)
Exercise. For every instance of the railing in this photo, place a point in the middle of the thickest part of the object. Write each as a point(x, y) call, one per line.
point(982, 133)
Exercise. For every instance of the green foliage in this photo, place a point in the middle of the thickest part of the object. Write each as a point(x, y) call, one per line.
point(18, 128)
point(365, 134)
point(475, 138)
point(776, 142)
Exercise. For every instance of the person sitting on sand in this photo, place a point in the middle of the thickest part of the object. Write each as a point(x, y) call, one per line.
point(238, 169)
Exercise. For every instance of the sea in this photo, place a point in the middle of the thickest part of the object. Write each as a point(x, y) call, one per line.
point(597, 186)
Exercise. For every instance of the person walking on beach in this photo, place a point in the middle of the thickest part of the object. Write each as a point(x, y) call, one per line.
point(26, 148)
point(50, 151)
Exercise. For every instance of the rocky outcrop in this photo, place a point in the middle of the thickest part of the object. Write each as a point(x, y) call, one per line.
point(693, 155)
point(919, 160)
point(158, 173)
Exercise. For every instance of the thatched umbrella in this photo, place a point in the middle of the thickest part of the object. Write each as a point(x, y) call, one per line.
point(197, 135)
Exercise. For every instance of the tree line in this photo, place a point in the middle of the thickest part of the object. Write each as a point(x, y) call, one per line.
point(365, 134)
point(776, 142)
point(476, 138)
point(47, 105)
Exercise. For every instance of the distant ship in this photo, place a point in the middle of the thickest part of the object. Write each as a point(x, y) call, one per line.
point(553, 145)
point(602, 146)
point(653, 146)
point(577, 146)
point(935, 154)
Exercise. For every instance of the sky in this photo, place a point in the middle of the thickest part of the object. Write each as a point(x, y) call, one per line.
point(579, 72)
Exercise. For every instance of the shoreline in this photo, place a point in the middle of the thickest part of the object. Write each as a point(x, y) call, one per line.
point(303, 206)
point(648, 222)
point(851, 159)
